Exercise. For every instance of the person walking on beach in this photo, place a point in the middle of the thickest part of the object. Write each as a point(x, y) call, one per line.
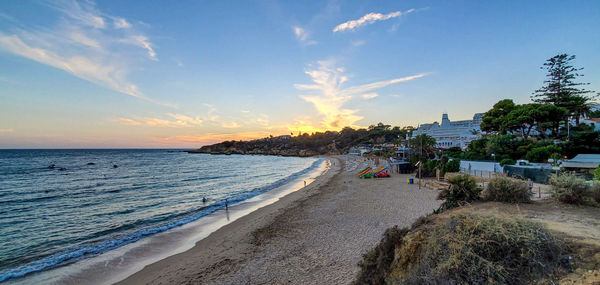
point(226, 204)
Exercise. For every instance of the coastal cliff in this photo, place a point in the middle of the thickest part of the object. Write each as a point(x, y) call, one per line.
point(270, 146)
point(325, 143)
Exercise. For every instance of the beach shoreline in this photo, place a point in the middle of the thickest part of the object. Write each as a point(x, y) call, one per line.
point(316, 234)
point(117, 264)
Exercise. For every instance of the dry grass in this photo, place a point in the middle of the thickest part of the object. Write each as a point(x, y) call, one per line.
point(507, 190)
point(475, 249)
point(464, 248)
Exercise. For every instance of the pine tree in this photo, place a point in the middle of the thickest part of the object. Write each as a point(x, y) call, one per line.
point(560, 88)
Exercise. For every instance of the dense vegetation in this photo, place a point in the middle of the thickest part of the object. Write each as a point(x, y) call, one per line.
point(569, 188)
point(541, 130)
point(314, 144)
point(463, 189)
point(463, 249)
point(504, 189)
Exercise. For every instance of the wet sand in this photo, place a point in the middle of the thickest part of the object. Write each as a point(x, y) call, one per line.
point(316, 235)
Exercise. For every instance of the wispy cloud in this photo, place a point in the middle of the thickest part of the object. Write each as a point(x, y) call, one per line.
point(380, 84)
point(4, 131)
point(211, 114)
point(126, 121)
point(329, 97)
point(230, 125)
point(187, 120)
point(210, 138)
point(179, 121)
point(358, 43)
point(141, 41)
point(81, 43)
point(367, 19)
point(303, 36)
point(84, 13)
point(82, 39)
point(263, 120)
point(121, 23)
point(81, 66)
point(369, 95)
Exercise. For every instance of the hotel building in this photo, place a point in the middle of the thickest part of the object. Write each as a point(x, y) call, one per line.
point(452, 134)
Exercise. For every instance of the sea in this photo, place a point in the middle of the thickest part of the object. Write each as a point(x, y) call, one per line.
point(61, 207)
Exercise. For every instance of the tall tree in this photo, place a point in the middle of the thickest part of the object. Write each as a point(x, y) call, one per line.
point(548, 117)
point(493, 119)
point(521, 119)
point(560, 87)
point(423, 144)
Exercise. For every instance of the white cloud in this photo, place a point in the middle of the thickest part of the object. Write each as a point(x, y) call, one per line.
point(379, 84)
point(367, 19)
point(369, 95)
point(141, 41)
point(231, 125)
point(197, 121)
point(211, 114)
point(82, 39)
point(263, 120)
point(245, 111)
point(358, 43)
point(179, 122)
point(126, 121)
point(154, 122)
point(303, 36)
point(121, 23)
point(329, 97)
point(84, 13)
point(81, 44)
point(80, 66)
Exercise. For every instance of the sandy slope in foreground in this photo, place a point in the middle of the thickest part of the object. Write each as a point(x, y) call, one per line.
point(316, 235)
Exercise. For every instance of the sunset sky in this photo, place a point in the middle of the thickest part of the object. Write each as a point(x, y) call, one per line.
point(181, 74)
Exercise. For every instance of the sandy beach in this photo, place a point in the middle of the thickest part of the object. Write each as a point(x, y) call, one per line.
point(315, 235)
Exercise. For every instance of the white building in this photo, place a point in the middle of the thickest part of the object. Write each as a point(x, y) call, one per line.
point(452, 134)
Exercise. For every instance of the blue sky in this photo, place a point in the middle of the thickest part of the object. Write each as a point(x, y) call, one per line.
point(188, 73)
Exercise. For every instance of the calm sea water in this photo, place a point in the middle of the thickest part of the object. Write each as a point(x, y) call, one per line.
point(85, 206)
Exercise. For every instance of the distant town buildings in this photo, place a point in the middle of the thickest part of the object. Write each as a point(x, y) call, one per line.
point(452, 134)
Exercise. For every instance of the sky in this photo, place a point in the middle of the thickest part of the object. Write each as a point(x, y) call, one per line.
point(182, 74)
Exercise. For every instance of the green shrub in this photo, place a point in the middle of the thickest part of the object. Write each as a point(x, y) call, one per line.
point(463, 189)
point(507, 161)
point(431, 164)
point(595, 193)
point(428, 169)
point(478, 249)
point(507, 190)
point(568, 188)
point(597, 173)
point(541, 154)
point(376, 263)
point(451, 166)
point(463, 249)
point(454, 152)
